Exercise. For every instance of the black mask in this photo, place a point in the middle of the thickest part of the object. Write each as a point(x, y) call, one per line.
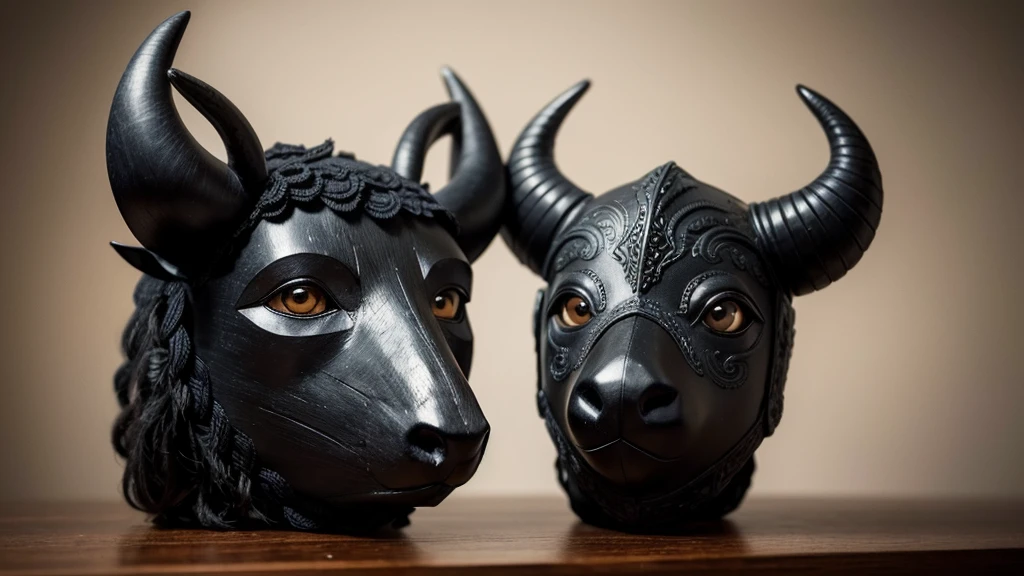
point(300, 349)
point(664, 335)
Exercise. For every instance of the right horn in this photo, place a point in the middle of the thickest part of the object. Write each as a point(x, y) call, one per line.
point(815, 235)
point(541, 196)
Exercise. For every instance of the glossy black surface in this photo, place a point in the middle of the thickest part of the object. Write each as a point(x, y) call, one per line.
point(368, 401)
point(664, 333)
point(360, 408)
point(176, 198)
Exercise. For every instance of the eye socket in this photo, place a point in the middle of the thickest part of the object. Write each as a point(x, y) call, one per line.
point(301, 300)
point(727, 317)
point(574, 312)
point(447, 304)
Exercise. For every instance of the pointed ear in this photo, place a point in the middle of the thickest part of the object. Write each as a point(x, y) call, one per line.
point(149, 263)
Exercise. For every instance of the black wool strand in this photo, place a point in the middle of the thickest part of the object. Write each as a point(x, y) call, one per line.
point(184, 462)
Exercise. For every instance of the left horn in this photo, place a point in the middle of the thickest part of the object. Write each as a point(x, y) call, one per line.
point(814, 236)
point(178, 200)
point(476, 192)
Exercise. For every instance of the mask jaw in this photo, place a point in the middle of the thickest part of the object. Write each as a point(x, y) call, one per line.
point(149, 263)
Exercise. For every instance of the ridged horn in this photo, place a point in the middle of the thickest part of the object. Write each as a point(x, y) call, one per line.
point(475, 194)
point(178, 200)
point(815, 235)
point(541, 196)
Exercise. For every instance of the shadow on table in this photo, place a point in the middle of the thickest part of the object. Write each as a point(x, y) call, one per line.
point(150, 546)
point(713, 538)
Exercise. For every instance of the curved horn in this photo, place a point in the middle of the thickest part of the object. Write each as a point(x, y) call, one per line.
point(177, 198)
point(541, 196)
point(476, 192)
point(815, 235)
point(422, 132)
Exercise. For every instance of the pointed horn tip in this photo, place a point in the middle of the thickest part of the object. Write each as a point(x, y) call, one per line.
point(184, 82)
point(179, 20)
point(450, 77)
point(574, 93)
point(175, 76)
point(806, 93)
point(453, 83)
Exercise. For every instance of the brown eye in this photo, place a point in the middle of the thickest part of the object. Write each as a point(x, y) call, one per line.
point(299, 300)
point(575, 312)
point(726, 316)
point(447, 304)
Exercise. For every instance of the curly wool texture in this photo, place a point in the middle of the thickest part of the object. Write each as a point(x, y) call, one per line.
point(298, 175)
point(184, 461)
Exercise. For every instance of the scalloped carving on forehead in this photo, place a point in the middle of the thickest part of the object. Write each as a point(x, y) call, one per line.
point(299, 175)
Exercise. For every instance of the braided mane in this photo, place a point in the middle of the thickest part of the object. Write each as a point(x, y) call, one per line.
point(184, 461)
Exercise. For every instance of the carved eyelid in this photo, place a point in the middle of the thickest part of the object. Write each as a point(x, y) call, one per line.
point(743, 301)
point(304, 281)
point(711, 287)
point(331, 276)
point(584, 283)
point(450, 273)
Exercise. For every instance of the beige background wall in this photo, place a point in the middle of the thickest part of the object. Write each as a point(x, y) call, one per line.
point(906, 377)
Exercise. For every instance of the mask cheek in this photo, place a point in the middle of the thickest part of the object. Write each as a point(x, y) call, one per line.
point(562, 351)
point(459, 337)
point(730, 361)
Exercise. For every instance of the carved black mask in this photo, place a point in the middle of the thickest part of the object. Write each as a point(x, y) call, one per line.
point(299, 352)
point(664, 335)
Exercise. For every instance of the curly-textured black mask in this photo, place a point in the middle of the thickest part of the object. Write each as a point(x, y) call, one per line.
point(664, 335)
point(299, 351)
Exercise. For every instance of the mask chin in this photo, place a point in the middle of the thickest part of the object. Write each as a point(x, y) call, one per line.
point(715, 493)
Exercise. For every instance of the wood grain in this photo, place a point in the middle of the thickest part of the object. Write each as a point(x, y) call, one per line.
point(534, 535)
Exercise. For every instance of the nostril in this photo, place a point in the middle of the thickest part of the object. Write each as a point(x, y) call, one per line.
point(656, 396)
point(427, 445)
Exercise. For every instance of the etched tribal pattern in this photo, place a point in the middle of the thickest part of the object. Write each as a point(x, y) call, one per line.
point(597, 231)
point(650, 245)
point(724, 237)
point(601, 292)
point(731, 372)
point(784, 336)
point(660, 246)
point(630, 248)
point(684, 301)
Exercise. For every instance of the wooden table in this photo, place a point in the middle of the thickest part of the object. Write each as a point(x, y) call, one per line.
point(535, 535)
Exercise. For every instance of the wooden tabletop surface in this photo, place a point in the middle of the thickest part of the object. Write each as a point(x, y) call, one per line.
point(535, 535)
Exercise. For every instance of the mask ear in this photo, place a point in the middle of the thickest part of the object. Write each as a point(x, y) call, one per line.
point(148, 263)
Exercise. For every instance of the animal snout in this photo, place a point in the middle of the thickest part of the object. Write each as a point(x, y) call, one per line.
point(433, 455)
point(433, 447)
point(625, 412)
point(593, 410)
point(427, 445)
point(643, 409)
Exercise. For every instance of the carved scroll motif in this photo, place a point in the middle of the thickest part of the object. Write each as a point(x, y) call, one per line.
point(596, 232)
